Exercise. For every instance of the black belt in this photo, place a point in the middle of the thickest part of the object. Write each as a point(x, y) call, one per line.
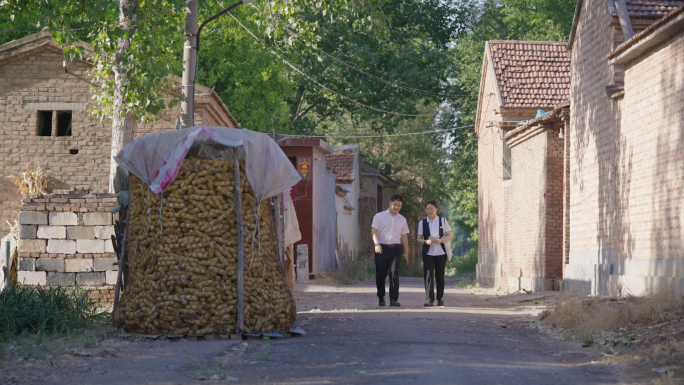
point(391, 246)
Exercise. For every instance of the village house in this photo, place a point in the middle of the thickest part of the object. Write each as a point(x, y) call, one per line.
point(626, 142)
point(594, 184)
point(45, 117)
point(520, 167)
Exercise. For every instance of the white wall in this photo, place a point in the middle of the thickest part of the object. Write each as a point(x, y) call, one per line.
point(348, 222)
point(323, 253)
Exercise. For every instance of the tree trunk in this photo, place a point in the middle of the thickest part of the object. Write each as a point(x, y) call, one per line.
point(123, 127)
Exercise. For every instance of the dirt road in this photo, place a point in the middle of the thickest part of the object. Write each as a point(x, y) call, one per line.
point(475, 339)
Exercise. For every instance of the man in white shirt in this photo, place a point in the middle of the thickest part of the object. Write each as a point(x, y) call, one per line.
point(390, 234)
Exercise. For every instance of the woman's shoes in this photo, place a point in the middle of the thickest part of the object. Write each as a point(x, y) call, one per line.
point(428, 304)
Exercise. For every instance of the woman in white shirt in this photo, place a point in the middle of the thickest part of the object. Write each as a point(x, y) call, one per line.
point(433, 233)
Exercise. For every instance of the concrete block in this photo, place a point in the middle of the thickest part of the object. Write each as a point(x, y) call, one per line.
point(50, 264)
point(90, 246)
point(63, 218)
point(78, 265)
point(97, 219)
point(33, 218)
point(32, 277)
point(104, 232)
point(104, 264)
point(61, 279)
point(110, 277)
point(93, 279)
point(61, 246)
point(27, 231)
point(51, 232)
point(80, 232)
point(31, 245)
point(109, 248)
point(27, 264)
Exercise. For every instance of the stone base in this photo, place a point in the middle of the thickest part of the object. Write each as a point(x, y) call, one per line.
point(489, 269)
point(597, 273)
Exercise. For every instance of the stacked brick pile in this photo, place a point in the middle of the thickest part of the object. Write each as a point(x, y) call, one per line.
point(65, 239)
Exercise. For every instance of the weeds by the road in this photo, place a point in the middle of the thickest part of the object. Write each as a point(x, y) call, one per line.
point(262, 353)
point(646, 331)
point(351, 272)
point(205, 373)
point(26, 309)
point(37, 323)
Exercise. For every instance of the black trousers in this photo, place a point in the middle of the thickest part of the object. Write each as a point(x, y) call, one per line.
point(388, 263)
point(433, 270)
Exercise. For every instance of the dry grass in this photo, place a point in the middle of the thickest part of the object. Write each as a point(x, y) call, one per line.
point(34, 181)
point(611, 314)
point(646, 332)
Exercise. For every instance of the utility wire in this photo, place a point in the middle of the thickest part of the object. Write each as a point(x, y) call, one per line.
point(380, 136)
point(94, 26)
point(391, 83)
point(317, 82)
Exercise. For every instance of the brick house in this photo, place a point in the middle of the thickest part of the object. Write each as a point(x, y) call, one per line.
point(45, 117)
point(623, 160)
point(626, 148)
point(520, 165)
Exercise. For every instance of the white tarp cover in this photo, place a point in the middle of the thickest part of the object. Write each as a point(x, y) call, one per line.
point(156, 158)
point(292, 233)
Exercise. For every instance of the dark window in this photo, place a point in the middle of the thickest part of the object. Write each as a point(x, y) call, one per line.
point(44, 123)
point(293, 159)
point(64, 123)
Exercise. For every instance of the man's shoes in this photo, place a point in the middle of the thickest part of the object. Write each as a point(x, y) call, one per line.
point(382, 301)
point(394, 303)
point(440, 302)
point(429, 304)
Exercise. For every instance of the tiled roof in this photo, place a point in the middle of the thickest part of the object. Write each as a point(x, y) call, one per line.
point(342, 164)
point(651, 8)
point(531, 74)
point(651, 30)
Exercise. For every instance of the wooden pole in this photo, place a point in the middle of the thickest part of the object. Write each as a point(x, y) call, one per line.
point(241, 245)
point(279, 225)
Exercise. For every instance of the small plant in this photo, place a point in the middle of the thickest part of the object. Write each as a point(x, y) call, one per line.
point(350, 272)
point(34, 181)
point(262, 354)
point(587, 338)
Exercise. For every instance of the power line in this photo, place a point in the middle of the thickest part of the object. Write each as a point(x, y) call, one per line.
point(317, 82)
point(95, 26)
point(380, 136)
point(391, 83)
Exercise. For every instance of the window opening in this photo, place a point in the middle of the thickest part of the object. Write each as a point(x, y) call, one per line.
point(64, 123)
point(44, 123)
point(73, 151)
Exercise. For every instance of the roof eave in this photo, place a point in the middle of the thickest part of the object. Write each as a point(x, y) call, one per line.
point(630, 51)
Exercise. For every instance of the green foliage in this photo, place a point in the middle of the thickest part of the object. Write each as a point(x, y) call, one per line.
point(465, 264)
point(25, 309)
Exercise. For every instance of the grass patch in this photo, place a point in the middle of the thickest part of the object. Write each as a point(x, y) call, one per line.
point(351, 272)
point(204, 373)
point(27, 310)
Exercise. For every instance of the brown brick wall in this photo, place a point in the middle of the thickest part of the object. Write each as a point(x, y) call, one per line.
point(650, 155)
point(37, 75)
point(593, 183)
point(490, 172)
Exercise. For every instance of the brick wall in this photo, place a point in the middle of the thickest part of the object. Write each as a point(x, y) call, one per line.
point(626, 161)
point(65, 239)
point(33, 73)
point(592, 131)
point(650, 154)
point(489, 183)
